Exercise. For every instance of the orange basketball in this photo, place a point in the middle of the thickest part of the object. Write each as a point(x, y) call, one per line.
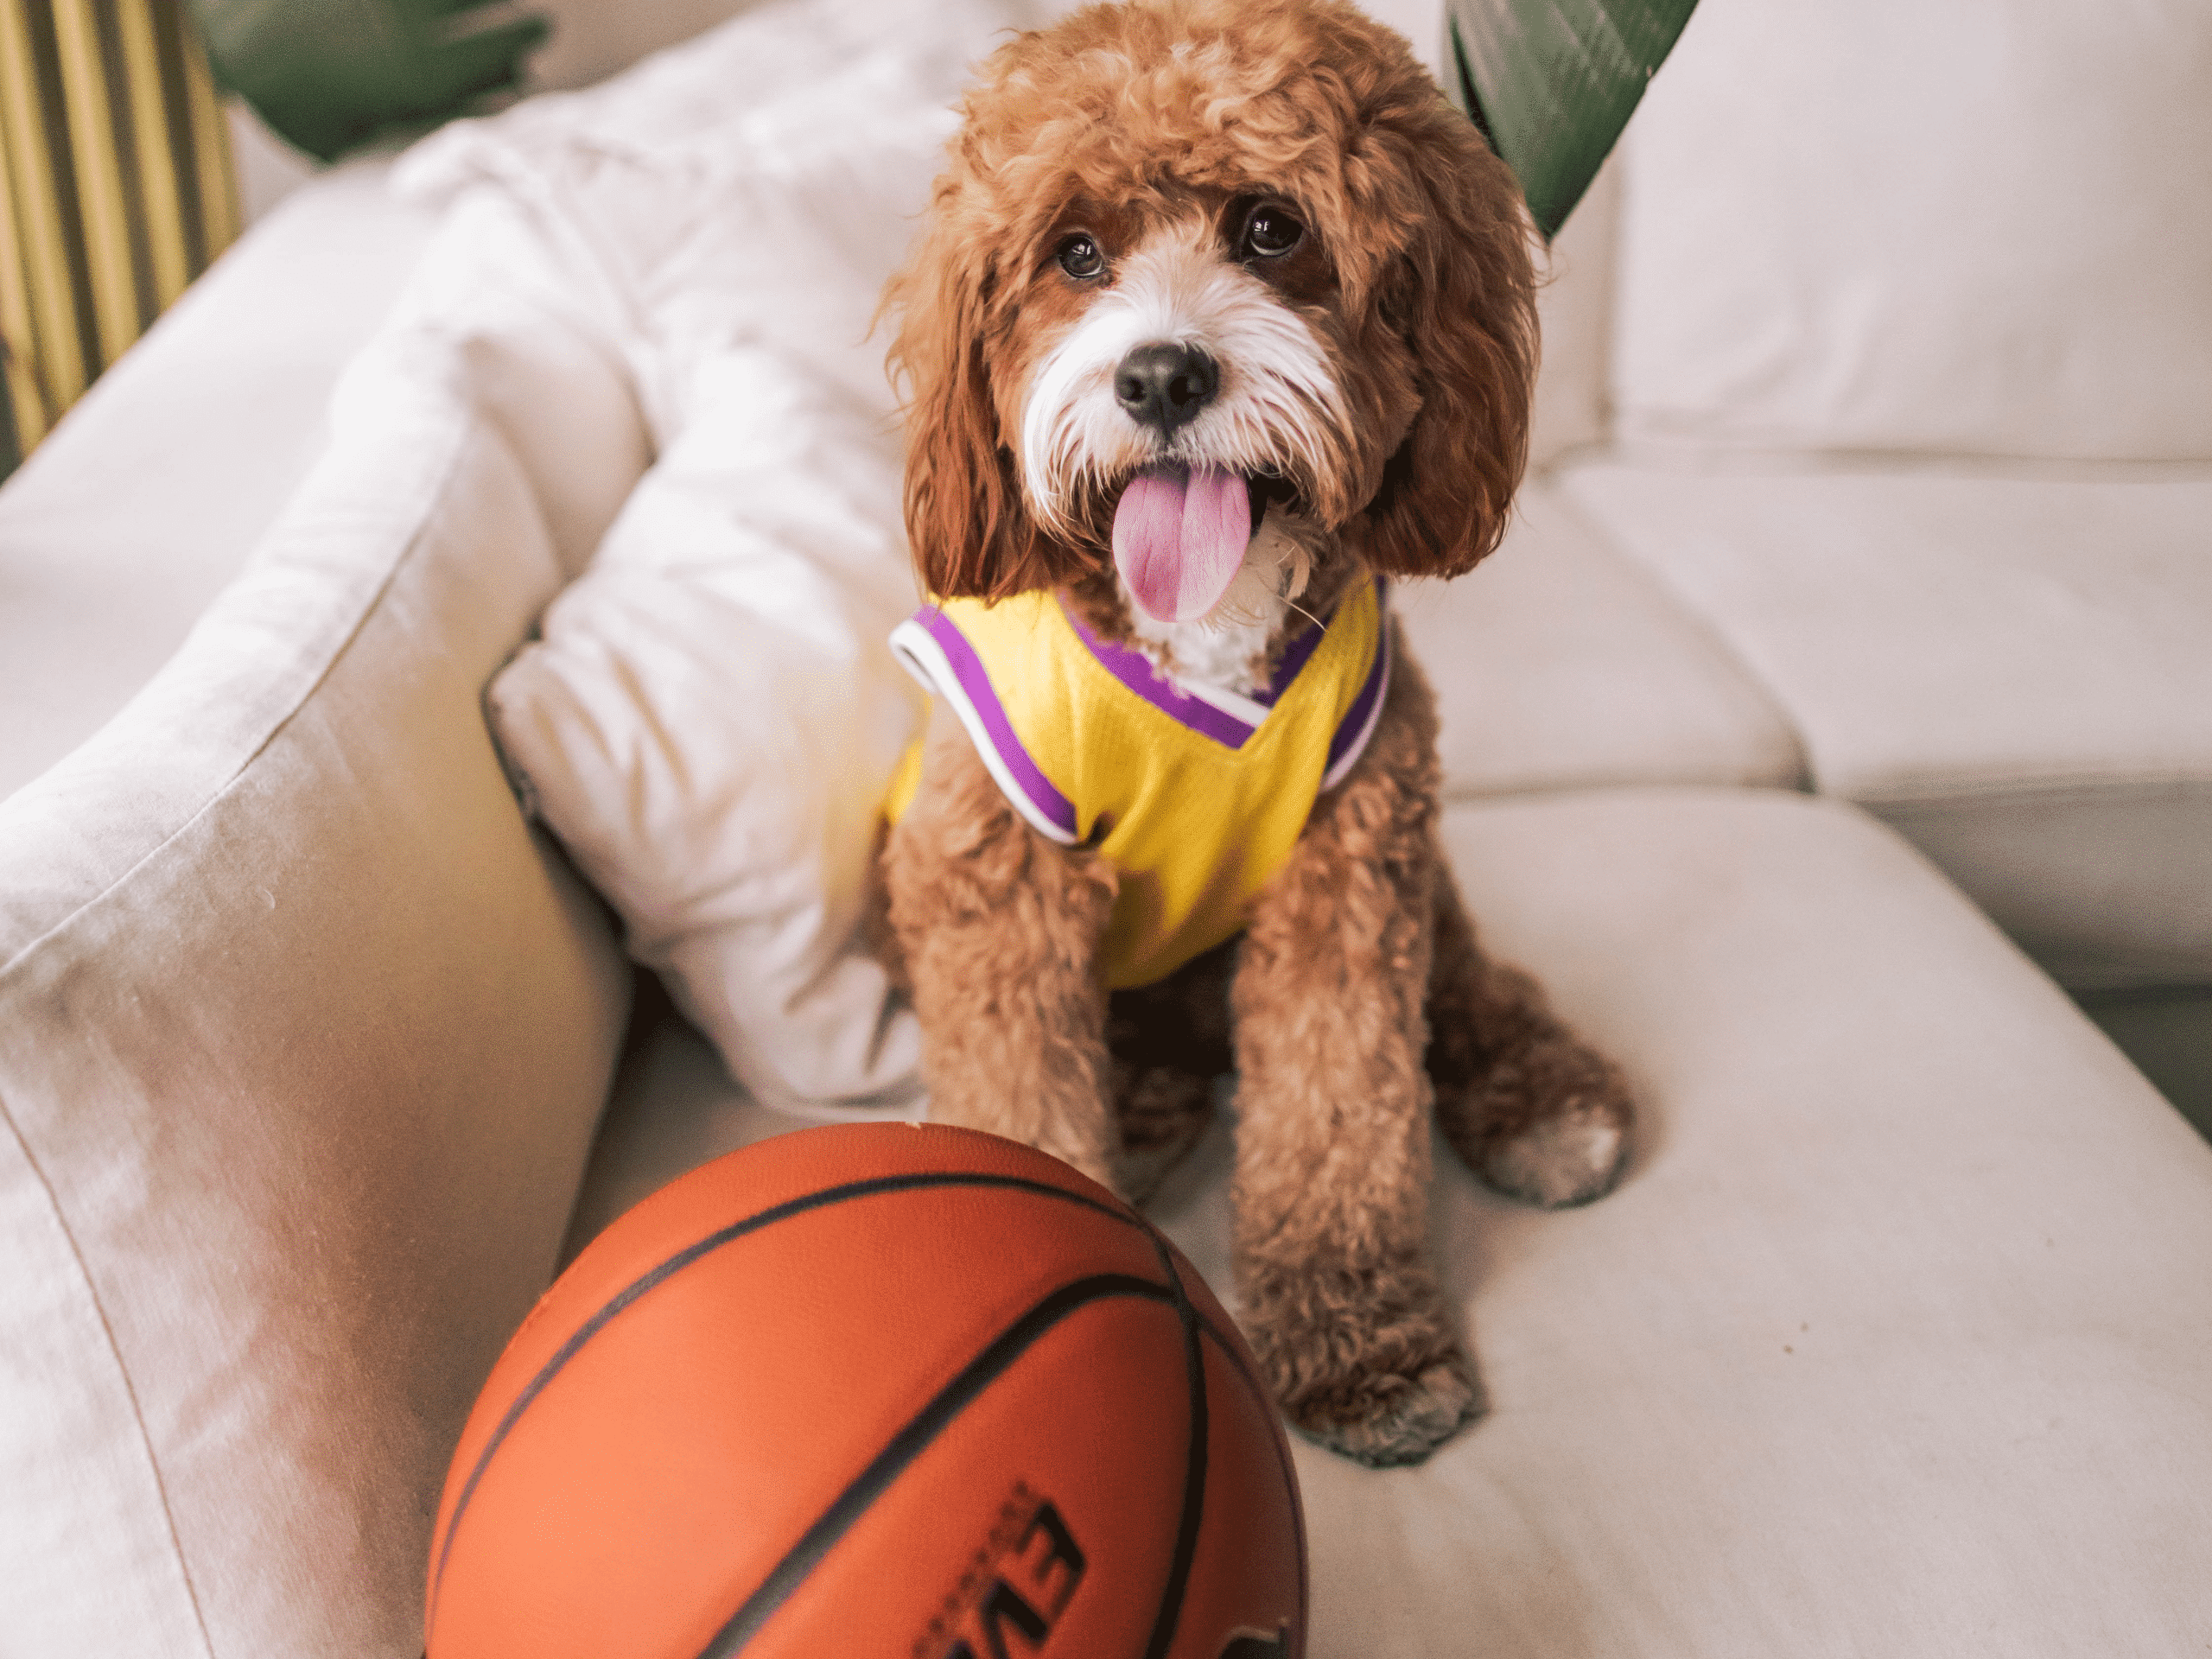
point(879, 1389)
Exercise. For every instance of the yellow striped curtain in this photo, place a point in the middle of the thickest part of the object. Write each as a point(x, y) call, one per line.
point(116, 190)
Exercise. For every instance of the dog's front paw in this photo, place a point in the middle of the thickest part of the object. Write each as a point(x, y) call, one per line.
point(1362, 1365)
point(1566, 1157)
point(1550, 1126)
point(1402, 1419)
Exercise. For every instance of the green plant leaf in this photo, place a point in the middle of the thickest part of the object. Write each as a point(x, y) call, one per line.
point(1551, 83)
point(328, 73)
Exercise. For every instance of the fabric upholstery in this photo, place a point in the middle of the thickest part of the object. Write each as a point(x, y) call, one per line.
point(2168, 1032)
point(673, 1106)
point(1895, 226)
point(303, 1036)
point(1574, 311)
point(2011, 668)
point(1561, 664)
point(214, 418)
point(711, 717)
point(1891, 1343)
point(592, 39)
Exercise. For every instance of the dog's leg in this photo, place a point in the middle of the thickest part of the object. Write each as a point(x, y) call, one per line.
point(1535, 1112)
point(998, 930)
point(1333, 1154)
point(1169, 1041)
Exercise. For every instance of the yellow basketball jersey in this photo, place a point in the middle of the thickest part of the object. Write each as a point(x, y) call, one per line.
point(1196, 795)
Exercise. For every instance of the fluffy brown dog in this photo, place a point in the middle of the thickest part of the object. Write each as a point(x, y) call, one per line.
point(1222, 313)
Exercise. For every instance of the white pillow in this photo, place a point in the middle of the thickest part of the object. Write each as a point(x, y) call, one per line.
point(712, 715)
point(711, 718)
point(1981, 227)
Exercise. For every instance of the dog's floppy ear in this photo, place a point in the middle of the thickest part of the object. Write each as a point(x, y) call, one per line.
point(968, 531)
point(1462, 297)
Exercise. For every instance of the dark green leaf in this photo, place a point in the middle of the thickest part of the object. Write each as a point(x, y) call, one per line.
point(328, 74)
point(1551, 83)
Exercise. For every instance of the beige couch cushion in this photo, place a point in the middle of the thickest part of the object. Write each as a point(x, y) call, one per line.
point(2012, 670)
point(1889, 226)
point(1892, 1343)
point(1560, 663)
point(303, 1041)
point(1575, 307)
point(212, 419)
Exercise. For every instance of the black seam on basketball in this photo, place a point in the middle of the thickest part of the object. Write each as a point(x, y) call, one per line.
point(1228, 1351)
point(1267, 1399)
point(912, 1441)
point(683, 1259)
point(1194, 1468)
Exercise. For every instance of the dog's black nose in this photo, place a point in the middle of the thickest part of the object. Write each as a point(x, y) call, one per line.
point(1166, 386)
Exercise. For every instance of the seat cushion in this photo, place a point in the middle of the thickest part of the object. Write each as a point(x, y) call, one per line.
point(1559, 663)
point(1888, 225)
point(214, 418)
point(2010, 669)
point(1891, 1342)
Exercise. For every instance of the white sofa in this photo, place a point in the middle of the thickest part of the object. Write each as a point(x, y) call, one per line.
point(316, 1058)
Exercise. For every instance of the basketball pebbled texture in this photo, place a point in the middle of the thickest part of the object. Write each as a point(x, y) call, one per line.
point(898, 1389)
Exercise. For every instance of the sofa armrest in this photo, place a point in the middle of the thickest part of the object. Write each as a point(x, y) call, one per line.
point(303, 1036)
point(123, 525)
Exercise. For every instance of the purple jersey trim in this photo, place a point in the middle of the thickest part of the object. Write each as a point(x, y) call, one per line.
point(1293, 658)
point(1138, 672)
point(976, 685)
point(1135, 670)
point(1358, 723)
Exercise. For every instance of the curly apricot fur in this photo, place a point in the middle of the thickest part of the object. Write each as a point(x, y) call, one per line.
point(1359, 996)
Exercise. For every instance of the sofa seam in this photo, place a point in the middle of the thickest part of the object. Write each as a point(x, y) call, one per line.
point(1706, 630)
point(122, 1371)
point(2059, 789)
point(1683, 456)
point(1450, 796)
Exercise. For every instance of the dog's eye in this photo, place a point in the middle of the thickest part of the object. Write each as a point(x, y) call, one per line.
point(1079, 257)
point(1271, 231)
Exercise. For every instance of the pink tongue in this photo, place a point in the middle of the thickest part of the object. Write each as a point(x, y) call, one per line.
point(1179, 539)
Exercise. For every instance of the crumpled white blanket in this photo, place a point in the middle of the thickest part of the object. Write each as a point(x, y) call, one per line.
point(710, 716)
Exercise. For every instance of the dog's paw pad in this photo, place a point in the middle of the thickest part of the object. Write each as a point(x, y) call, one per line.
point(1405, 1422)
point(1567, 1159)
